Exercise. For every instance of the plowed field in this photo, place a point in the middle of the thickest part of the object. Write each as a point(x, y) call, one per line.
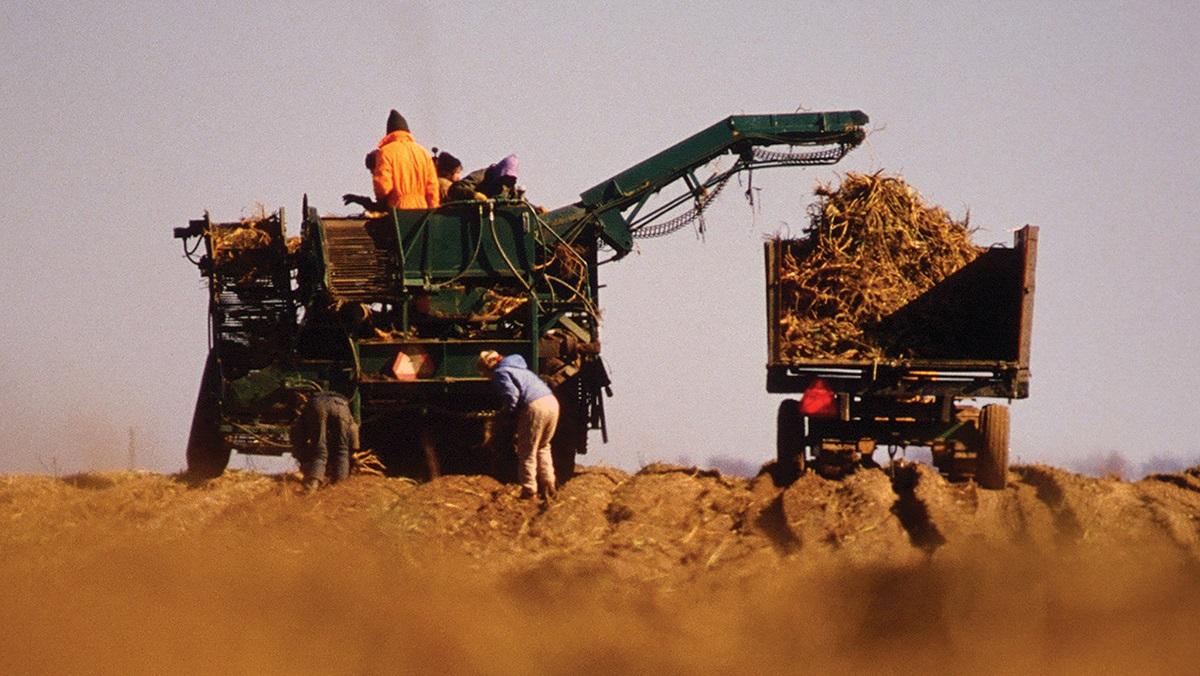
point(669, 570)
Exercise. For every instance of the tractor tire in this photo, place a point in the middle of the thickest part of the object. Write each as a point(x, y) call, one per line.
point(991, 459)
point(789, 441)
point(207, 453)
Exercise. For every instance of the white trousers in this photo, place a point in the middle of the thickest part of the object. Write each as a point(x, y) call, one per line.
point(535, 428)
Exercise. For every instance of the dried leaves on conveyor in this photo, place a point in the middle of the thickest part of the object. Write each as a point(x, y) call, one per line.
point(230, 243)
point(251, 233)
point(873, 245)
point(245, 249)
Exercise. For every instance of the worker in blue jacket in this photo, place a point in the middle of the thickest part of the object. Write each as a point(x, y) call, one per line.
point(521, 391)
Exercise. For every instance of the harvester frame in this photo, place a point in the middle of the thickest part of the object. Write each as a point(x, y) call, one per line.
point(392, 310)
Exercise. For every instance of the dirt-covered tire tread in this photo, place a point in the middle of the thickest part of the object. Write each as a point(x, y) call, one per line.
point(789, 440)
point(991, 461)
point(207, 453)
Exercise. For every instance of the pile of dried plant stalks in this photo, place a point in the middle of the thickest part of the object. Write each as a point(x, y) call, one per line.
point(497, 305)
point(872, 246)
point(244, 249)
point(230, 243)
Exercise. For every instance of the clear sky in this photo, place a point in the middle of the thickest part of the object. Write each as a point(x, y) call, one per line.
point(123, 120)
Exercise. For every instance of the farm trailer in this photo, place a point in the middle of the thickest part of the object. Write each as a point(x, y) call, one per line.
point(983, 318)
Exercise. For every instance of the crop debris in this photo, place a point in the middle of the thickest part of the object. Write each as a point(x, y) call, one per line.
point(872, 246)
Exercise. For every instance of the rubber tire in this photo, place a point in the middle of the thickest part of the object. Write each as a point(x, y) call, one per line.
point(564, 464)
point(789, 441)
point(569, 439)
point(991, 459)
point(571, 436)
point(207, 453)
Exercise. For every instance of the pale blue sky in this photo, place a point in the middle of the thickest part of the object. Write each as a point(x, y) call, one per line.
point(124, 120)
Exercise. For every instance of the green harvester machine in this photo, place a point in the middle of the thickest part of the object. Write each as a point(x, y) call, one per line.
point(393, 311)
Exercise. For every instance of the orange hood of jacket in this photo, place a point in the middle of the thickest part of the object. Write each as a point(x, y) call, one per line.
point(404, 173)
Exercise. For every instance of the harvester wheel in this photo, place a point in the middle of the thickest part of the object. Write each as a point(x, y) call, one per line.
point(789, 441)
point(564, 463)
point(207, 454)
point(571, 436)
point(991, 460)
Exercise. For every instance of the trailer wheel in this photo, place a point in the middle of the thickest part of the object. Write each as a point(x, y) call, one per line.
point(991, 459)
point(789, 441)
point(207, 453)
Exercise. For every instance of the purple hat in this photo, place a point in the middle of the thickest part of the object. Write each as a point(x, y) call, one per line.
point(506, 167)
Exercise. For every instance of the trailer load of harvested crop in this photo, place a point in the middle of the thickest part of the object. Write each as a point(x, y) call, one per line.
point(873, 245)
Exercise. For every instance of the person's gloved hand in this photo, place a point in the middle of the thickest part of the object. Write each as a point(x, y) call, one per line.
point(480, 196)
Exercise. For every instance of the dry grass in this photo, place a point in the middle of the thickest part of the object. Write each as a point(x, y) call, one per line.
point(497, 306)
point(873, 246)
point(229, 243)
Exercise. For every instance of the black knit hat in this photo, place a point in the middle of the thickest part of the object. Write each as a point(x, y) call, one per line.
point(396, 122)
point(446, 164)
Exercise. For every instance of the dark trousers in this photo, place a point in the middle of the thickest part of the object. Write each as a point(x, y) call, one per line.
point(329, 432)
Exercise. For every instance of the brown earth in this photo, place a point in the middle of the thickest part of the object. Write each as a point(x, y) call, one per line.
point(671, 569)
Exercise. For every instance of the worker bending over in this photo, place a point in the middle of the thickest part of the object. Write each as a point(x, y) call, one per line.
point(323, 437)
point(523, 392)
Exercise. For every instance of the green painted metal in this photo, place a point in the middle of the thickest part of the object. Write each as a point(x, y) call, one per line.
point(453, 359)
point(482, 241)
point(444, 265)
point(736, 134)
point(256, 387)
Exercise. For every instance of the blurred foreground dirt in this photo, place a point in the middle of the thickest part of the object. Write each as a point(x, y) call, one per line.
point(671, 569)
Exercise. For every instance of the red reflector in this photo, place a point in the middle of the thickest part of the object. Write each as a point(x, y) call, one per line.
point(818, 400)
point(411, 363)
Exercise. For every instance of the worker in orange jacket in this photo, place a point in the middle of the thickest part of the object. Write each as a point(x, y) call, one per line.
point(404, 176)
